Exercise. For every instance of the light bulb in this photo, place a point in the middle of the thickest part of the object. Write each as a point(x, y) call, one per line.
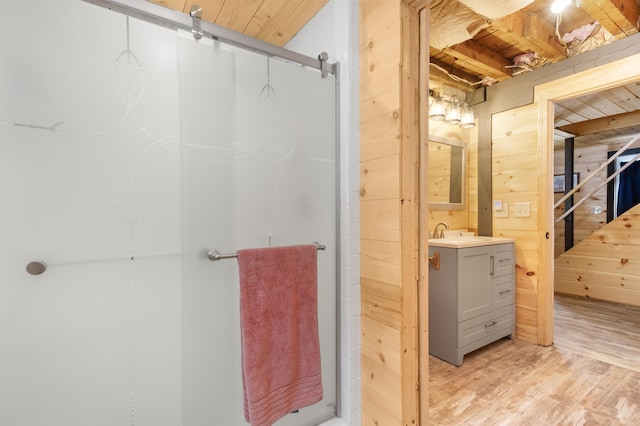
point(453, 112)
point(559, 5)
point(467, 119)
point(436, 109)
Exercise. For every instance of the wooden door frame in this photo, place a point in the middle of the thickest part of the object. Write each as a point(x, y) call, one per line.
point(414, 78)
point(604, 77)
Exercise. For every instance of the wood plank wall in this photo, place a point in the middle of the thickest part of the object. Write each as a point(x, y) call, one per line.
point(605, 265)
point(380, 244)
point(389, 231)
point(585, 222)
point(515, 179)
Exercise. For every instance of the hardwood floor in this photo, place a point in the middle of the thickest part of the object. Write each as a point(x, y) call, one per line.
point(512, 382)
point(606, 331)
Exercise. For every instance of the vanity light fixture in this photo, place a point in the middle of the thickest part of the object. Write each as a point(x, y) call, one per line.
point(437, 108)
point(453, 112)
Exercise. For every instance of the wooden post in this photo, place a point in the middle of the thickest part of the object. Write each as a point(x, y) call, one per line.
point(569, 150)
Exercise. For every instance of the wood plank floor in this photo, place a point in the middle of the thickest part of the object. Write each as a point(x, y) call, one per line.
point(512, 382)
point(609, 332)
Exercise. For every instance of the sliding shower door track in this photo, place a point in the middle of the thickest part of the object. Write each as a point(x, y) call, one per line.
point(152, 12)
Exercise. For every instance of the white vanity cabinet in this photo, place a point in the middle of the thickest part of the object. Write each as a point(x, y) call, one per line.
point(471, 297)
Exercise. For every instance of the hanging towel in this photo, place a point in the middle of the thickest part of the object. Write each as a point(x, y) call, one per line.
point(279, 330)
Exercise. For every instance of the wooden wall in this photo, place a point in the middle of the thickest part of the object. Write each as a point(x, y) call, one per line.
point(515, 179)
point(389, 232)
point(466, 218)
point(586, 159)
point(605, 265)
point(380, 244)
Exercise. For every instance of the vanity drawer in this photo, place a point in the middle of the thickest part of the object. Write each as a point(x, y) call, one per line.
point(485, 326)
point(503, 260)
point(503, 291)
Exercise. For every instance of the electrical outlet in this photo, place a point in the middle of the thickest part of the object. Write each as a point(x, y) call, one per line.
point(522, 209)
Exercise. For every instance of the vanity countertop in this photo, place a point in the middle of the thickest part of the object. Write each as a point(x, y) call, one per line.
point(460, 242)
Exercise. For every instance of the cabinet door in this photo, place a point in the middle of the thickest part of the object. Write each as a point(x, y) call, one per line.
point(474, 285)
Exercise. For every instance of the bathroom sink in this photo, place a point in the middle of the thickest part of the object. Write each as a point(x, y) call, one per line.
point(460, 241)
point(457, 233)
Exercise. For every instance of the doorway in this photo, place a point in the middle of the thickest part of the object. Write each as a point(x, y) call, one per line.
point(594, 80)
point(590, 131)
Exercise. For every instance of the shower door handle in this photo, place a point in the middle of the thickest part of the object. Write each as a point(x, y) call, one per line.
point(36, 267)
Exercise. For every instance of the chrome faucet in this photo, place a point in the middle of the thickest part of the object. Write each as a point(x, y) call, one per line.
point(435, 230)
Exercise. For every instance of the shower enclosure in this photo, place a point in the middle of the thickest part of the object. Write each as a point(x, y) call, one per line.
point(128, 150)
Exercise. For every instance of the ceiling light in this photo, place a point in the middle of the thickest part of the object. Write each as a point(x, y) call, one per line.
point(559, 5)
point(437, 109)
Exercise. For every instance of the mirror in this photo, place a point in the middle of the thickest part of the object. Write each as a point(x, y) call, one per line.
point(446, 173)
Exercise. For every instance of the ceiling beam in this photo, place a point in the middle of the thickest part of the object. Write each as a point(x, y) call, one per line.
point(614, 122)
point(619, 17)
point(448, 75)
point(477, 57)
point(630, 9)
point(529, 33)
point(543, 35)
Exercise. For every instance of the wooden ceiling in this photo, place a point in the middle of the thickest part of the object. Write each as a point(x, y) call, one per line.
point(273, 21)
point(494, 48)
point(611, 117)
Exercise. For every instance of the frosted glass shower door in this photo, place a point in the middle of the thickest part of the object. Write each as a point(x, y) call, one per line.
point(127, 150)
point(89, 184)
point(258, 161)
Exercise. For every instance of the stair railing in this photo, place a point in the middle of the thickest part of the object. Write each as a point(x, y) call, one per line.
point(595, 172)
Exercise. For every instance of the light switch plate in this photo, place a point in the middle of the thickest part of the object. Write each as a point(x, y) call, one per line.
point(502, 213)
point(522, 209)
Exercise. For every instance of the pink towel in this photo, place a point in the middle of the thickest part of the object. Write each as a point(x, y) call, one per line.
point(279, 326)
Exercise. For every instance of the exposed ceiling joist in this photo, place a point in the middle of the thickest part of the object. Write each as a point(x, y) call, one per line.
point(448, 75)
point(543, 36)
point(525, 37)
point(532, 28)
point(619, 17)
point(614, 122)
point(478, 57)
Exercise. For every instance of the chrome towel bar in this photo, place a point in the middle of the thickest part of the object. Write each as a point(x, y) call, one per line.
point(214, 254)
